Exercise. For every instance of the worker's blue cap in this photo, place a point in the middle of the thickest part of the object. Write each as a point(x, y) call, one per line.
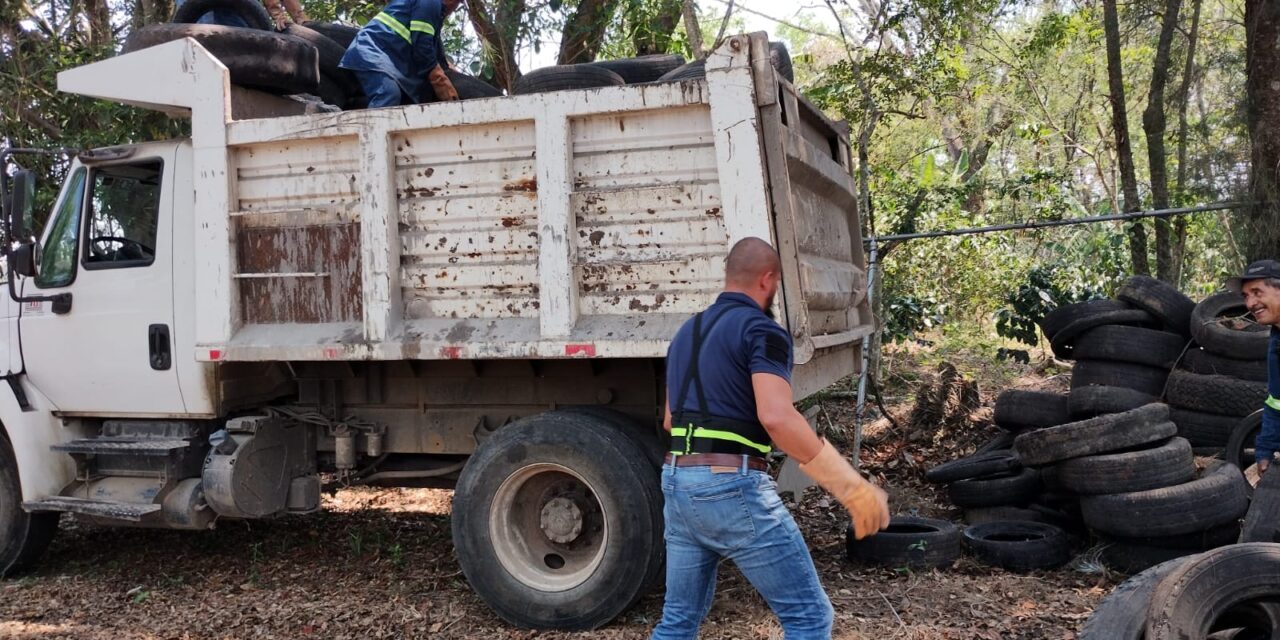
point(1255, 271)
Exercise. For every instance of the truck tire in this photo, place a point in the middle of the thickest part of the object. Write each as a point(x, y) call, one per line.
point(251, 11)
point(1240, 446)
point(265, 60)
point(1217, 325)
point(1191, 600)
point(566, 76)
point(1137, 345)
point(1203, 429)
point(1218, 497)
point(908, 542)
point(1063, 344)
point(1068, 314)
point(1122, 615)
point(1215, 394)
point(1165, 465)
point(23, 536)
point(1112, 432)
point(599, 486)
point(1204, 362)
point(695, 70)
point(1022, 410)
point(974, 466)
point(1160, 299)
point(1139, 377)
point(642, 68)
point(330, 55)
point(340, 33)
point(651, 439)
point(1019, 546)
point(996, 490)
point(1096, 400)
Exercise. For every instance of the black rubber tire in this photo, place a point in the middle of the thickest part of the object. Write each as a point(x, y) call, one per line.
point(1096, 400)
point(1139, 377)
point(908, 542)
point(650, 439)
point(1000, 489)
point(470, 87)
point(1164, 465)
point(265, 60)
point(1239, 450)
point(974, 466)
point(1242, 340)
point(1201, 361)
point(1162, 300)
point(694, 70)
point(1262, 521)
point(1131, 555)
point(332, 92)
point(330, 53)
point(1063, 343)
point(1002, 442)
point(1122, 614)
point(1068, 314)
point(1019, 546)
point(1215, 394)
point(780, 58)
point(983, 515)
point(1112, 432)
point(252, 12)
point(340, 33)
point(1137, 345)
point(1203, 429)
point(1191, 599)
point(23, 536)
point(628, 494)
point(1020, 410)
point(566, 77)
point(643, 68)
point(1219, 496)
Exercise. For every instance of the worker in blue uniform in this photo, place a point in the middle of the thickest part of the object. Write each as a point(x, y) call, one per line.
point(399, 53)
point(728, 398)
point(1260, 286)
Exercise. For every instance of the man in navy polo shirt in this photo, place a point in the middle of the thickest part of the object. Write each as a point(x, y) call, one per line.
point(728, 398)
point(1260, 285)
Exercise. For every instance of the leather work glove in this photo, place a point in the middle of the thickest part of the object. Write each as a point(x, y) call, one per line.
point(441, 85)
point(868, 504)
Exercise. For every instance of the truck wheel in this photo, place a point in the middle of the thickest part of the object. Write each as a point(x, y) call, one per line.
point(557, 522)
point(23, 536)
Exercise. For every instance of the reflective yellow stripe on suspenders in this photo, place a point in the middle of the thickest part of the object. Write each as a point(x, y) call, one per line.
point(712, 434)
point(1273, 403)
point(397, 26)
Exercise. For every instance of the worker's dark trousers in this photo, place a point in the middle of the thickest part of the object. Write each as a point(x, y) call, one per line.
point(736, 515)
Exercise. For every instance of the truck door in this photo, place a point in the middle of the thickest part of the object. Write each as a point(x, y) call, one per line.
point(108, 245)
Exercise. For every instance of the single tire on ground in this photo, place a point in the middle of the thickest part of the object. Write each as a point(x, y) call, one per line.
point(1111, 432)
point(252, 12)
point(1163, 465)
point(1009, 488)
point(1161, 300)
point(1122, 615)
point(908, 542)
point(1019, 546)
point(565, 77)
point(1203, 429)
point(538, 571)
point(23, 536)
point(264, 60)
point(1139, 377)
point(1201, 361)
point(1215, 394)
point(1221, 325)
point(1218, 497)
point(1137, 345)
point(340, 33)
point(642, 68)
point(1020, 410)
point(974, 466)
point(1192, 599)
point(1096, 400)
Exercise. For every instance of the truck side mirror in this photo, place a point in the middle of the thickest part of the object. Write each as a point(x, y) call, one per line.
point(20, 216)
point(22, 259)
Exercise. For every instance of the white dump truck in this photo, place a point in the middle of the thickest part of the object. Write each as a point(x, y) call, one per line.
point(473, 295)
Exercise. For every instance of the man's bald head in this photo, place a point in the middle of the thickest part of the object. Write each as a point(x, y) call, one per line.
point(748, 261)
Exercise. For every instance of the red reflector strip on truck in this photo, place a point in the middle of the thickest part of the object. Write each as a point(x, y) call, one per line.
point(588, 350)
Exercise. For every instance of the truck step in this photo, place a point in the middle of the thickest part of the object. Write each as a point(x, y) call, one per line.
point(131, 512)
point(122, 446)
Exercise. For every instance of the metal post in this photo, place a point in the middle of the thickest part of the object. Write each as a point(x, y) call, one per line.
point(867, 342)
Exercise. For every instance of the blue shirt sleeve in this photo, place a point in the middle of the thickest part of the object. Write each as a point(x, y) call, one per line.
point(1268, 441)
point(769, 349)
point(426, 47)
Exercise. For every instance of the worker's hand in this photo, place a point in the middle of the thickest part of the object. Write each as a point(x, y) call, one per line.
point(868, 504)
point(1262, 466)
point(441, 85)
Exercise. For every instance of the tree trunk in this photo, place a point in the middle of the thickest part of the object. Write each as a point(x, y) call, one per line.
point(1262, 111)
point(497, 23)
point(1153, 124)
point(1124, 152)
point(98, 16)
point(1184, 101)
point(693, 31)
point(652, 33)
point(584, 32)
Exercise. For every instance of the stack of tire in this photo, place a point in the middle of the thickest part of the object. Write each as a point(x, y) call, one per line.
point(927, 543)
point(1231, 592)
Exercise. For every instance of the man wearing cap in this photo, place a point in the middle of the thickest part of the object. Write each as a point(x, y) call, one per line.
point(728, 399)
point(1260, 285)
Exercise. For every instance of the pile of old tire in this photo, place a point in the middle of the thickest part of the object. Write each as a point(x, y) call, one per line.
point(925, 543)
point(1230, 592)
point(779, 57)
point(601, 73)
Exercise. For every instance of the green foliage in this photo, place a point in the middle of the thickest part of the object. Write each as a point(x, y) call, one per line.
point(1040, 293)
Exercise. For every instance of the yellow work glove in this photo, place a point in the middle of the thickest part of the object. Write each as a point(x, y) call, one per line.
point(868, 504)
point(441, 85)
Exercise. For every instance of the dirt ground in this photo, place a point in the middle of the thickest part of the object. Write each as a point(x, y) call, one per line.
point(378, 563)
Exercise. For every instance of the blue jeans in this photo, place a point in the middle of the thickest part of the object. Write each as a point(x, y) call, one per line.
point(381, 89)
point(736, 515)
